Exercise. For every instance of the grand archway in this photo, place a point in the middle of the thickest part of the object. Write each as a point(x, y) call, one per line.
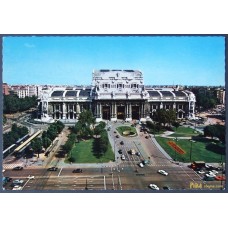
point(120, 112)
point(135, 112)
point(106, 112)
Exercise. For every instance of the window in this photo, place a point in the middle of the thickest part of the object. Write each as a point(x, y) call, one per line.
point(166, 106)
point(180, 106)
point(154, 106)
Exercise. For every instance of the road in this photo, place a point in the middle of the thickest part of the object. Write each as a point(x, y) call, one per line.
point(116, 176)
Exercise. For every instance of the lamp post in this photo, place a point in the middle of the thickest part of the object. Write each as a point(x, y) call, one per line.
point(175, 151)
point(192, 141)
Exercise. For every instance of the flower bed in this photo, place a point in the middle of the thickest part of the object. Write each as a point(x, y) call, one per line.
point(176, 147)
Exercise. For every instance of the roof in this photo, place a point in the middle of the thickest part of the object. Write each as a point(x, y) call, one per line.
point(166, 93)
point(57, 93)
point(153, 93)
point(179, 93)
point(84, 93)
point(71, 93)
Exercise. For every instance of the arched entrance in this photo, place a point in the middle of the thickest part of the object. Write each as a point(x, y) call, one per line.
point(135, 112)
point(120, 112)
point(106, 112)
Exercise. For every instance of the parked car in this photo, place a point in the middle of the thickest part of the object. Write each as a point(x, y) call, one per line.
point(163, 172)
point(8, 179)
point(18, 168)
point(213, 171)
point(77, 171)
point(208, 167)
point(138, 153)
point(201, 172)
point(117, 136)
point(122, 157)
point(141, 165)
point(131, 151)
point(18, 181)
point(30, 177)
point(120, 151)
point(17, 187)
point(52, 169)
point(210, 175)
point(121, 143)
point(154, 186)
point(167, 188)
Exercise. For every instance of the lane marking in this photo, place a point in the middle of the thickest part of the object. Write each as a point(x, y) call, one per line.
point(104, 184)
point(60, 171)
point(120, 183)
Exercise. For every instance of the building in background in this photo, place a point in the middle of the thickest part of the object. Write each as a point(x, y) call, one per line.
point(5, 89)
point(115, 94)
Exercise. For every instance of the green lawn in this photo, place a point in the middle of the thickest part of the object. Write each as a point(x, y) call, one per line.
point(202, 150)
point(82, 152)
point(184, 132)
point(121, 129)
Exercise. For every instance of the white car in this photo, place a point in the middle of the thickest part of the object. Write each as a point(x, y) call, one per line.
point(30, 177)
point(214, 171)
point(18, 181)
point(210, 175)
point(141, 165)
point(122, 157)
point(201, 172)
point(154, 186)
point(163, 172)
point(17, 187)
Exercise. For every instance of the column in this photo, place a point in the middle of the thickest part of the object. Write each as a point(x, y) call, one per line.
point(64, 110)
point(130, 111)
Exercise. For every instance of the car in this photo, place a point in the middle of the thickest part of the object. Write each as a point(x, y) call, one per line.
point(18, 181)
point(154, 186)
point(122, 157)
point(213, 171)
point(30, 177)
point(166, 188)
point(138, 153)
point(141, 165)
point(210, 175)
point(220, 178)
point(163, 172)
point(117, 136)
point(131, 151)
point(208, 167)
point(201, 172)
point(17, 187)
point(121, 143)
point(52, 169)
point(8, 179)
point(120, 151)
point(77, 171)
point(115, 132)
point(18, 168)
point(147, 137)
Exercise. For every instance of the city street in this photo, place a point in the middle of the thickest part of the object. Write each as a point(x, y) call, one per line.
point(121, 175)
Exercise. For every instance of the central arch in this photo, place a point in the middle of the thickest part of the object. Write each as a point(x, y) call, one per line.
point(106, 112)
point(135, 112)
point(120, 112)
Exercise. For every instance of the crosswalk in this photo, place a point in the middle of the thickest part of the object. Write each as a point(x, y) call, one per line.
point(11, 166)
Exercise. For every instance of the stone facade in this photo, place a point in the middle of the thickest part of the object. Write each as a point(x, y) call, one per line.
point(115, 94)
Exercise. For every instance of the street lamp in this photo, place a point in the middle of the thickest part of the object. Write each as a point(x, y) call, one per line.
point(192, 141)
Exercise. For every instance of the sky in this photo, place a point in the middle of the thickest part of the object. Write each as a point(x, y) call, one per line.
point(70, 60)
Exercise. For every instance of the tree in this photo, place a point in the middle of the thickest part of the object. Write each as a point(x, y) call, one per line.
point(46, 142)
point(84, 124)
point(36, 145)
point(176, 124)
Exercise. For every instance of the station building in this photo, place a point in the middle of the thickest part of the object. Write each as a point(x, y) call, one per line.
point(115, 94)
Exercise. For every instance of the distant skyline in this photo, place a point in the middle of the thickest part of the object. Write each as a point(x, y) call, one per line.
point(70, 60)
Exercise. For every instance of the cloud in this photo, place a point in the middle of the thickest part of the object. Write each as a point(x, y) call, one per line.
point(28, 45)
